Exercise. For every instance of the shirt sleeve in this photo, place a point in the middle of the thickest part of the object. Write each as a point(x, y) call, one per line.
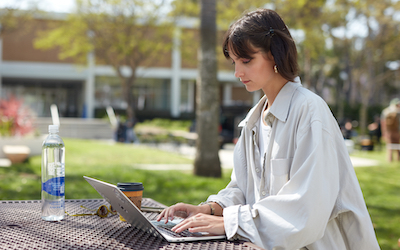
point(298, 214)
point(229, 196)
point(234, 193)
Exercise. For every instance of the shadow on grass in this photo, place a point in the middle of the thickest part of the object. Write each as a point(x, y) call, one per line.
point(20, 182)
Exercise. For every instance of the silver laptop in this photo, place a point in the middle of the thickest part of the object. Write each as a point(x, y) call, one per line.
point(125, 207)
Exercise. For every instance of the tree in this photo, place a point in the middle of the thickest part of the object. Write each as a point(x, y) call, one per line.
point(207, 114)
point(207, 161)
point(125, 34)
point(337, 56)
point(358, 61)
point(378, 46)
point(12, 18)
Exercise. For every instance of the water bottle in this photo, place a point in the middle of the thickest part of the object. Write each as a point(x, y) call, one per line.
point(53, 176)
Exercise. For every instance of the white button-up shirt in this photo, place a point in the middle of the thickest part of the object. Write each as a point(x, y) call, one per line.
point(306, 195)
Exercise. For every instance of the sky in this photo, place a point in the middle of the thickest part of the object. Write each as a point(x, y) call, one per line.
point(45, 5)
point(64, 6)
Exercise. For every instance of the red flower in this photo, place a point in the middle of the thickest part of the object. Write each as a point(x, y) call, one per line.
point(15, 118)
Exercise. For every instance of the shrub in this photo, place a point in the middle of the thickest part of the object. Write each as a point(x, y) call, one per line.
point(16, 119)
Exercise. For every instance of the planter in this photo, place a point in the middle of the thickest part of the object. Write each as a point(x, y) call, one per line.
point(33, 143)
point(16, 154)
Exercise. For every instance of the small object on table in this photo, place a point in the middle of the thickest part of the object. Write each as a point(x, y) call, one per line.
point(152, 209)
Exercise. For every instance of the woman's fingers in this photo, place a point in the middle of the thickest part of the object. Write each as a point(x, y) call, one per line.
point(181, 210)
point(202, 223)
point(166, 214)
point(187, 223)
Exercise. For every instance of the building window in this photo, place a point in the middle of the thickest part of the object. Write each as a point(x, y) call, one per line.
point(39, 95)
point(149, 94)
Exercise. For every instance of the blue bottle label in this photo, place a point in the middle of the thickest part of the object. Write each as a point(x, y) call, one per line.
point(54, 186)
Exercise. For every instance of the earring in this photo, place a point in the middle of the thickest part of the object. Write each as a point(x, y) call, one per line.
point(276, 69)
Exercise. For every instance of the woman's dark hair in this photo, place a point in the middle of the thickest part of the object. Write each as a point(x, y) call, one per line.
point(263, 29)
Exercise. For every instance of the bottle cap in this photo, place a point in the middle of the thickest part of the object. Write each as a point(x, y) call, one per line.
point(53, 128)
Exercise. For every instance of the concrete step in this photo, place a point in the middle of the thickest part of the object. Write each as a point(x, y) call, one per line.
point(78, 128)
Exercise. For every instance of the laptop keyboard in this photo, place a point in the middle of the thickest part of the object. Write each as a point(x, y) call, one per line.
point(166, 228)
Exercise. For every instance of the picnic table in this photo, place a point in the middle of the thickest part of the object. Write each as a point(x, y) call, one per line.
point(21, 227)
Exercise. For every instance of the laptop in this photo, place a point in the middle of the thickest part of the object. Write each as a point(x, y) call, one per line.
point(125, 207)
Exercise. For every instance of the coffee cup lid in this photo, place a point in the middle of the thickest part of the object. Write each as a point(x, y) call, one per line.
point(130, 186)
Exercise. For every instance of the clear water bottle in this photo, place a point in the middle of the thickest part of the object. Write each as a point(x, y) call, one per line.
point(53, 176)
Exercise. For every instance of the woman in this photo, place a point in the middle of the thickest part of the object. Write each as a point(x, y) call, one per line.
point(293, 185)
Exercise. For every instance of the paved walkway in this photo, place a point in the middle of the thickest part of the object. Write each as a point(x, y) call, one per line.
point(226, 158)
point(363, 162)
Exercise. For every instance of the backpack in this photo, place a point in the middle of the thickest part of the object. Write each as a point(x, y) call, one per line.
point(392, 122)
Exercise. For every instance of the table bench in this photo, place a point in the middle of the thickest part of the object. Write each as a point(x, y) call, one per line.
point(21, 227)
point(393, 146)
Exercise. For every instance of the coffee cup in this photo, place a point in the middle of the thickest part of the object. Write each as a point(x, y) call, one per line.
point(134, 191)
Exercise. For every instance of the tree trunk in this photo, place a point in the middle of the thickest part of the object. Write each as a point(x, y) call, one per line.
point(207, 161)
point(363, 118)
point(130, 109)
point(127, 93)
point(307, 69)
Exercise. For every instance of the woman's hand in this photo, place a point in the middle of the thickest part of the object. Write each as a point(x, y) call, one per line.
point(180, 210)
point(202, 223)
point(196, 218)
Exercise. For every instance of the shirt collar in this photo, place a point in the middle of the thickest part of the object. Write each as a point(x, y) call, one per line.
point(280, 107)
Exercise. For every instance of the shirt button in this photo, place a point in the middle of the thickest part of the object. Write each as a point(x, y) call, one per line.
point(257, 170)
point(263, 193)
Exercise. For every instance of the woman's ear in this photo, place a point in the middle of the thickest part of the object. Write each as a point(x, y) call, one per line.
point(269, 56)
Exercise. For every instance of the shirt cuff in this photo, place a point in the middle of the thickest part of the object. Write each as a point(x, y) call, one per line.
point(231, 221)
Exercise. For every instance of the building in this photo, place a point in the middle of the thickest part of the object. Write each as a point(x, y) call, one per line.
point(41, 79)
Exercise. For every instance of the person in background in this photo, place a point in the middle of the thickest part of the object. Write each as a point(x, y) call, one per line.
point(121, 131)
point(131, 136)
point(390, 124)
point(293, 185)
point(375, 131)
point(348, 132)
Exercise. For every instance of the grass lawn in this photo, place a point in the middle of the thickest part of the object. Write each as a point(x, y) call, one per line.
point(116, 163)
point(111, 163)
point(381, 189)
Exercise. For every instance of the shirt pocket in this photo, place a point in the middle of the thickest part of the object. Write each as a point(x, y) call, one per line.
point(280, 169)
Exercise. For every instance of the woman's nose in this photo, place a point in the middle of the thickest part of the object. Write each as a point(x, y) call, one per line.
point(238, 71)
